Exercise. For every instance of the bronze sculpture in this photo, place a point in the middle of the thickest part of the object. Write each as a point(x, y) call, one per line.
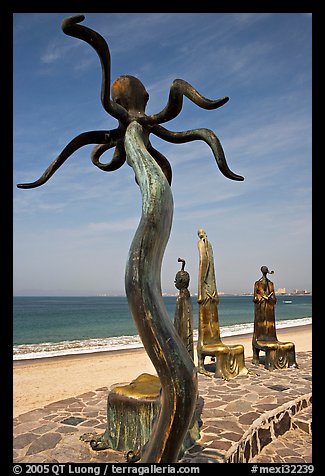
point(129, 99)
point(278, 355)
point(230, 361)
point(183, 320)
point(131, 411)
point(153, 174)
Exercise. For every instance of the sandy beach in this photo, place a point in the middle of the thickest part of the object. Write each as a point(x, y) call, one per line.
point(41, 381)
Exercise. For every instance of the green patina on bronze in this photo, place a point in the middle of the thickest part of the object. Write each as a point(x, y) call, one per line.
point(153, 174)
point(143, 288)
point(131, 411)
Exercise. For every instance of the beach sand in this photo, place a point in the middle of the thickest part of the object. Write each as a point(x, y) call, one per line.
point(39, 382)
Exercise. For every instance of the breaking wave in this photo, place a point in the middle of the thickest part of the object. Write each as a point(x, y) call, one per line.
point(87, 346)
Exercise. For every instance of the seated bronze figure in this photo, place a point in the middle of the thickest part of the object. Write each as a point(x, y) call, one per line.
point(230, 360)
point(278, 355)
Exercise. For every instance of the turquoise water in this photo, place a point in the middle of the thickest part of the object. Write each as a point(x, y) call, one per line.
point(45, 326)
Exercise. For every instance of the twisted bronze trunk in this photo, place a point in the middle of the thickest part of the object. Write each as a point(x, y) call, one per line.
point(143, 288)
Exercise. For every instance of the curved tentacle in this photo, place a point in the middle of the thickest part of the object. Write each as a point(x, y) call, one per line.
point(161, 161)
point(118, 158)
point(178, 89)
point(71, 27)
point(207, 136)
point(90, 137)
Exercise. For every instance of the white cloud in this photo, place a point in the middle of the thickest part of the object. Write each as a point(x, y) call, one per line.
point(114, 226)
point(52, 55)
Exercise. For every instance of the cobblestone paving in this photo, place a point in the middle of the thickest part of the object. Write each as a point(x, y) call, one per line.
point(232, 412)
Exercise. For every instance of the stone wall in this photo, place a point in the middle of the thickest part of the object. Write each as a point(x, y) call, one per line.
point(265, 429)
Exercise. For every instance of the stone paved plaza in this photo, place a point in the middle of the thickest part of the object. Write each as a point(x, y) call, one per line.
point(261, 418)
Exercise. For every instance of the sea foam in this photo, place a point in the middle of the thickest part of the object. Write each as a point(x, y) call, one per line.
point(87, 346)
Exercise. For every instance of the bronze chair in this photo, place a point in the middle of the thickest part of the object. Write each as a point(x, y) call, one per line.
point(229, 359)
point(132, 410)
point(278, 355)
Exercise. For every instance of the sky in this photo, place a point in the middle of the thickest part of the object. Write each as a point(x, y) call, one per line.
point(72, 235)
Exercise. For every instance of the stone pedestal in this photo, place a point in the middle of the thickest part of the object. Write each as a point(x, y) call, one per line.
point(131, 412)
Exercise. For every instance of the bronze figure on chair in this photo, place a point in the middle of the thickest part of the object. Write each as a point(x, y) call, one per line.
point(278, 355)
point(229, 359)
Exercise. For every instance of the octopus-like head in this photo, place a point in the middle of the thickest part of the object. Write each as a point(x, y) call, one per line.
point(130, 93)
point(265, 270)
point(182, 280)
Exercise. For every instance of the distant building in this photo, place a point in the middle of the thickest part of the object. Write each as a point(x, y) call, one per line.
point(281, 291)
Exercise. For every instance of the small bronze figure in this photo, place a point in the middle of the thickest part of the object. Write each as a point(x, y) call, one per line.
point(183, 320)
point(278, 355)
point(230, 361)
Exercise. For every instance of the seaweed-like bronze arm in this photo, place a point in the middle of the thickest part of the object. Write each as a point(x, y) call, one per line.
point(129, 99)
point(85, 138)
point(71, 27)
point(117, 160)
point(178, 89)
point(207, 136)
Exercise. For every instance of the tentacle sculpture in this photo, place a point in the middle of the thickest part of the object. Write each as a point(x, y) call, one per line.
point(117, 160)
point(91, 137)
point(71, 27)
point(174, 366)
point(207, 136)
point(178, 89)
point(153, 174)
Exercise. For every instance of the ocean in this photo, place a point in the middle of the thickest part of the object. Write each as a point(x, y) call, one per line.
point(53, 326)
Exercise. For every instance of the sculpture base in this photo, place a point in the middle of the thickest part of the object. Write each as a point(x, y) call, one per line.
point(278, 355)
point(131, 412)
point(230, 360)
point(131, 409)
